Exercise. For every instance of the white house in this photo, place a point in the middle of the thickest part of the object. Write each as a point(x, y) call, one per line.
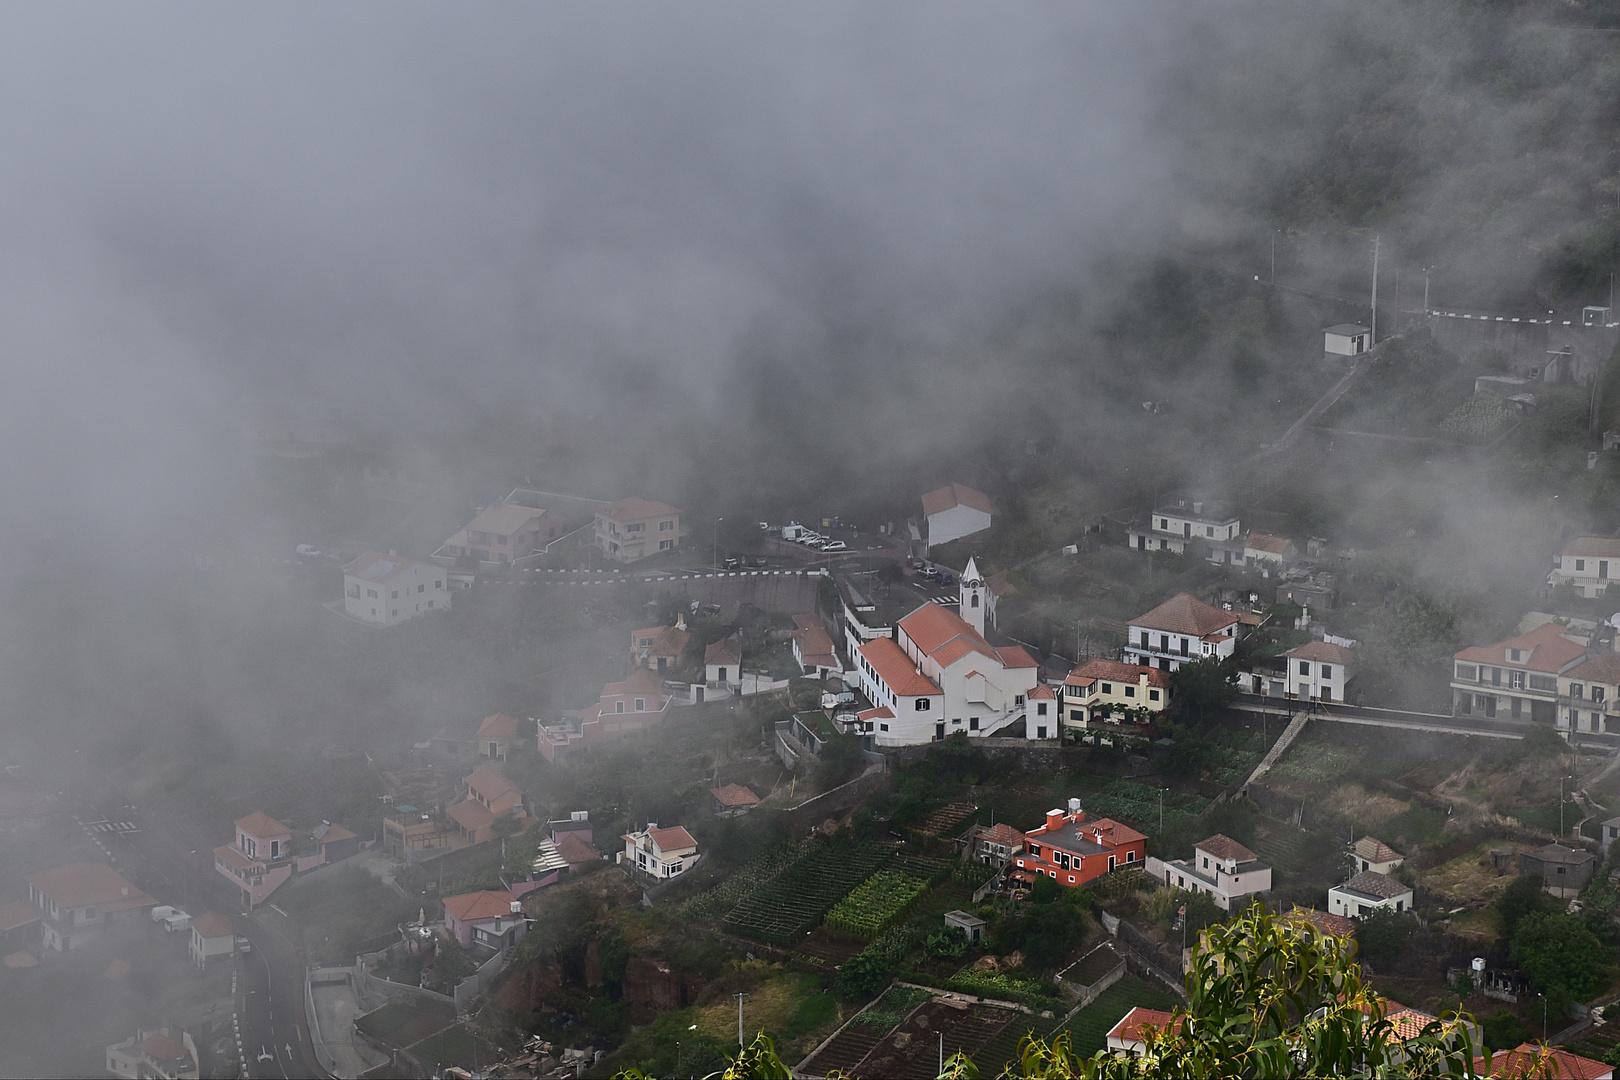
point(1129, 1036)
point(211, 936)
point(1318, 671)
point(939, 676)
point(955, 511)
point(1259, 547)
point(1221, 868)
point(660, 853)
point(1176, 524)
point(722, 664)
point(1368, 892)
point(1180, 629)
point(78, 901)
point(1370, 853)
point(386, 590)
point(1346, 339)
point(1589, 563)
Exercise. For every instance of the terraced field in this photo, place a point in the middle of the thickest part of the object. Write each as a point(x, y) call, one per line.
point(796, 899)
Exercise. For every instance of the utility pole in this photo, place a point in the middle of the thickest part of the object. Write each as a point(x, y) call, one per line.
point(717, 522)
point(1426, 270)
point(739, 996)
point(1374, 328)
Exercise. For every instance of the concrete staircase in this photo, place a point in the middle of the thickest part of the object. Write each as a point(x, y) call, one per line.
point(1279, 748)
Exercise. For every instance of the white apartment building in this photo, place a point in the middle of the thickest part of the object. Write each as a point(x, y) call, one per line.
point(632, 529)
point(938, 676)
point(1182, 628)
point(1176, 524)
point(1589, 563)
point(386, 590)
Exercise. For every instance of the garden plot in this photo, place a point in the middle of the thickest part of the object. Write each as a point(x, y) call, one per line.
point(797, 898)
point(875, 904)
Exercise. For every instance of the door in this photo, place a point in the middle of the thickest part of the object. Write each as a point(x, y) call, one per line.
point(939, 731)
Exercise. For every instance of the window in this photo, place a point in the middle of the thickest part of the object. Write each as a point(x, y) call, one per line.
point(1513, 656)
point(394, 595)
point(883, 727)
point(1130, 691)
point(1130, 856)
point(1515, 680)
point(1598, 693)
point(1107, 688)
point(1304, 667)
point(371, 593)
point(1018, 699)
point(618, 706)
point(922, 704)
point(1153, 695)
point(975, 601)
point(421, 588)
point(665, 545)
point(1468, 672)
point(1040, 710)
point(973, 723)
point(1209, 530)
point(1575, 691)
point(1327, 671)
point(666, 526)
point(1580, 564)
point(1164, 524)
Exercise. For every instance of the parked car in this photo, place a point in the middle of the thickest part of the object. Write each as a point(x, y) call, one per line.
point(308, 550)
point(733, 562)
point(835, 545)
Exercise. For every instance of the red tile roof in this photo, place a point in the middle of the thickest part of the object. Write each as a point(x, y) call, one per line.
point(894, 667)
point(1519, 1063)
point(1003, 834)
point(725, 651)
point(20, 913)
point(941, 499)
point(211, 924)
point(490, 783)
point(1117, 672)
point(1221, 846)
point(1548, 650)
point(160, 1047)
point(1324, 652)
point(499, 726)
point(261, 825)
point(1132, 1026)
point(734, 795)
point(1336, 925)
point(814, 643)
point(946, 637)
point(665, 640)
point(1186, 614)
point(1593, 545)
point(1375, 850)
point(882, 712)
point(82, 884)
point(1042, 691)
point(1602, 668)
point(672, 838)
point(574, 848)
point(471, 815)
point(335, 832)
point(1259, 541)
point(478, 906)
point(637, 510)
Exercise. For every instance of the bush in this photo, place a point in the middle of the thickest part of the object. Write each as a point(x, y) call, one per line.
point(1541, 741)
point(1382, 936)
point(1558, 952)
point(1045, 935)
point(1523, 896)
point(1503, 1031)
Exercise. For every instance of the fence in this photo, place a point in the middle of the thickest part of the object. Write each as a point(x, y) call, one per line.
point(313, 1016)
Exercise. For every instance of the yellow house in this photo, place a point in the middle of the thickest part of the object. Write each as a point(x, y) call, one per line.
point(1100, 689)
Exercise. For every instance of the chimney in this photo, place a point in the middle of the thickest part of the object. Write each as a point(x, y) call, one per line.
point(1054, 819)
point(1198, 507)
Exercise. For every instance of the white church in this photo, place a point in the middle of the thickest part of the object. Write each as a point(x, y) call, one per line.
point(939, 675)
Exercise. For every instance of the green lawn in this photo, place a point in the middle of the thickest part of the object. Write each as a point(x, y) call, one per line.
point(1089, 1027)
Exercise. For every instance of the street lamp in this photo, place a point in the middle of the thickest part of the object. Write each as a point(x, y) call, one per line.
point(739, 996)
point(1561, 780)
point(717, 522)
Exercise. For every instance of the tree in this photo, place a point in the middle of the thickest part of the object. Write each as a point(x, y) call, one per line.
point(1382, 935)
point(1045, 935)
point(1503, 1031)
point(1269, 997)
point(1558, 952)
point(840, 760)
point(1523, 896)
point(1200, 689)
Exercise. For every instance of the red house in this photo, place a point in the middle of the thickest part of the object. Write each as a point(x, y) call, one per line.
point(1072, 849)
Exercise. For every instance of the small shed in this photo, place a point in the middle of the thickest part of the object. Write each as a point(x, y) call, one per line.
point(1346, 339)
point(968, 923)
point(733, 799)
point(1564, 871)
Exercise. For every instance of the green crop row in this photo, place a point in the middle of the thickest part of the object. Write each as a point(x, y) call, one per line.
point(875, 904)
